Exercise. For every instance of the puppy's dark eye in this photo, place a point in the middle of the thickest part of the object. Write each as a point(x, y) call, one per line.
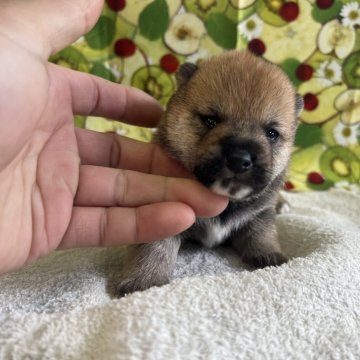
point(210, 121)
point(272, 135)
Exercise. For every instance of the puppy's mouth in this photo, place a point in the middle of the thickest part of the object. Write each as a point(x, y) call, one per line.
point(216, 175)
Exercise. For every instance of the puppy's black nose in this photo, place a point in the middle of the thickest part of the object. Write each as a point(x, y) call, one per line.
point(239, 161)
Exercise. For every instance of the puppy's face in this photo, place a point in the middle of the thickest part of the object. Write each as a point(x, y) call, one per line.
point(232, 123)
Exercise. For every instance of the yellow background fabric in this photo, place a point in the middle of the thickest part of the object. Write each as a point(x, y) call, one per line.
point(142, 42)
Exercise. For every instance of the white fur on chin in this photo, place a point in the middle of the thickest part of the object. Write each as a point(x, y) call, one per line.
point(218, 189)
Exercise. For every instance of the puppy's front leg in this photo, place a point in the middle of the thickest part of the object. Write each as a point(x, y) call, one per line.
point(282, 206)
point(149, 265)
point(257, 241)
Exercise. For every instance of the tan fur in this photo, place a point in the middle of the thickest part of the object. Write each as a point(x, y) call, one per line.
point(240, 87)
point(248, 96)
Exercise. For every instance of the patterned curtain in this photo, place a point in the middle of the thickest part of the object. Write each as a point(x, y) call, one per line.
point(317, 42)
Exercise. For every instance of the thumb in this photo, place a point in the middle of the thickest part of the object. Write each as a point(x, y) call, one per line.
point(47, 26)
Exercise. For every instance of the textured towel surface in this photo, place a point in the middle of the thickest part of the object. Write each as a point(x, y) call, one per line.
point(62, 306)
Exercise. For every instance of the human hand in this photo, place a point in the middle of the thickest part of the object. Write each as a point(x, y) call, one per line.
point(49, 199)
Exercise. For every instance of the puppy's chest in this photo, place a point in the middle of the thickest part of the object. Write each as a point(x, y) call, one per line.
point(213, 232)
point(216, 233)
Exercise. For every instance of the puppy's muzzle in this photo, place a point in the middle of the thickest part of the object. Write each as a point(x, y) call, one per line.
point(236, 170)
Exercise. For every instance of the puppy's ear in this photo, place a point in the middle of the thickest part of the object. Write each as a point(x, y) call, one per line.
point(185, 72)
point(299, 104)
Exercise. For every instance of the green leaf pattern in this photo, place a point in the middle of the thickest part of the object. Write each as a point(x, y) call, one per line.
point(317, 43)
point(154, 20)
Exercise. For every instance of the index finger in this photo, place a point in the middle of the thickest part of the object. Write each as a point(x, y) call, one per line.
point(116, 151)
point(92, 95)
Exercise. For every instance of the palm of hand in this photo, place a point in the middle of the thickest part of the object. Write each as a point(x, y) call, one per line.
point(39, 169)
point(48, 200)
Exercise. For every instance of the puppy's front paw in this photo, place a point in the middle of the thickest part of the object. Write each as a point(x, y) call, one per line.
point(282, 206)
point(262, 260)
point(130, 285)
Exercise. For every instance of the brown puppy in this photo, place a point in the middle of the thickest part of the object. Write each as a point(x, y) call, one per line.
point(232, 123)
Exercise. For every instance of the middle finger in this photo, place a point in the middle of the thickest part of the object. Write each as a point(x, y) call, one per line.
point(101, 186)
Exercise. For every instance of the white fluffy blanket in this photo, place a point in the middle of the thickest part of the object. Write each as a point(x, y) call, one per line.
point(62, 307)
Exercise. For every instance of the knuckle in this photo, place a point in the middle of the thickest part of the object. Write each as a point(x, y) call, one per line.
point(121, 187)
